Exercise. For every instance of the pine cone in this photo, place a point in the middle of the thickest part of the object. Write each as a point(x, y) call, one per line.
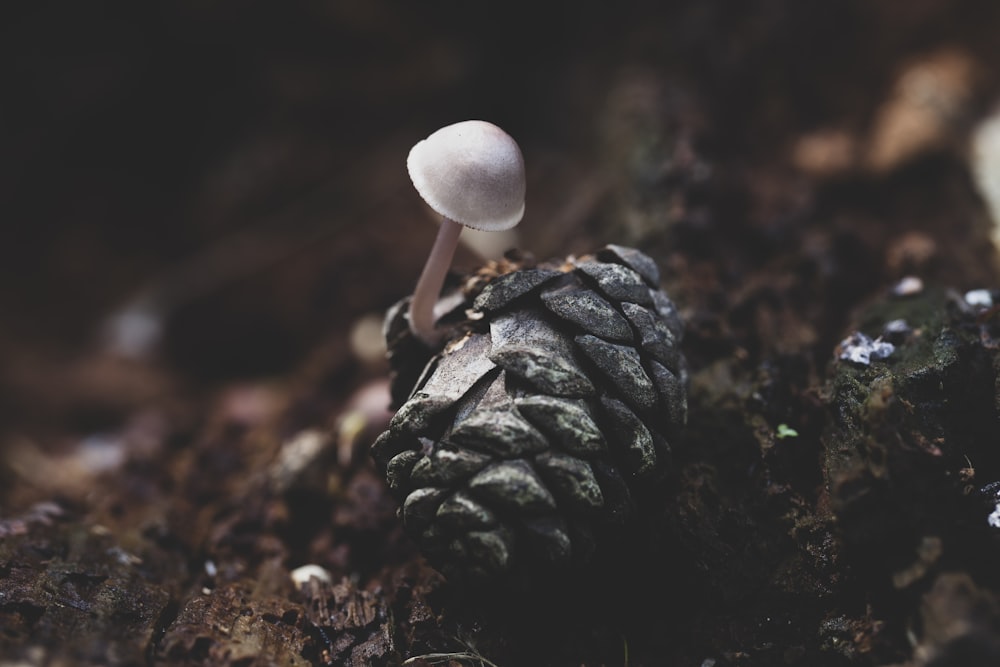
point(533, 432)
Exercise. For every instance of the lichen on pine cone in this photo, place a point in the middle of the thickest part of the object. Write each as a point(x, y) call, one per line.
point(535, 429)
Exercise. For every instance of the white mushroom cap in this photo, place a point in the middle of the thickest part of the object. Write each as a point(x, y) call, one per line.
point(470, 172)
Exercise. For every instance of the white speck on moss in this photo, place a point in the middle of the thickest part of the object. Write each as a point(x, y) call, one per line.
point(861, 349)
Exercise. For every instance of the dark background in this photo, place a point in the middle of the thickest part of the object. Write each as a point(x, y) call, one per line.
point(141, 142)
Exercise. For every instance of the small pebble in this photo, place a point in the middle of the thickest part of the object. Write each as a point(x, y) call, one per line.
point(366, 340)
point(982, 298)
point(908, 286)
point(302, 575)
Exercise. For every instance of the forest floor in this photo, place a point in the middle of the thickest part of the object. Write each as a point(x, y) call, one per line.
point(210, 214)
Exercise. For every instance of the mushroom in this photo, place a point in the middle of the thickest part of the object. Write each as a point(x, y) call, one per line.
point(472, 174)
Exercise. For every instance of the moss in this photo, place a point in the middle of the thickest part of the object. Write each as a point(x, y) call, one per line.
point(906, 428)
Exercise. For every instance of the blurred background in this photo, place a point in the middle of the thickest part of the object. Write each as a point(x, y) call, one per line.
point(202, 193)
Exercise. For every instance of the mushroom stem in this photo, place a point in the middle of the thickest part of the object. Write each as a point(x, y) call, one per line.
point(428, 289)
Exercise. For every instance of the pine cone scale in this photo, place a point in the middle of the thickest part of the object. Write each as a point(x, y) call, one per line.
point(526, 346)
point(505, 289)
point(513, 485)
point(623, 366)
point(567, 422)
point(639, 262)
point(618, 283)
point(501, 433)
point(589, 311)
